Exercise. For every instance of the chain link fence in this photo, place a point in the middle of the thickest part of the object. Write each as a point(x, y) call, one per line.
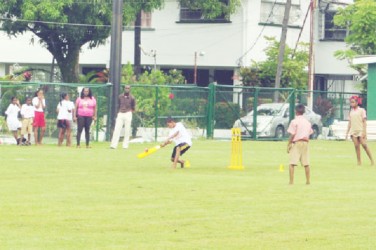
point(52, 93)
point(209, 112)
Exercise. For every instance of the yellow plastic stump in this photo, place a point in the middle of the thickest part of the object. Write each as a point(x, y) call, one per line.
point(236, 150)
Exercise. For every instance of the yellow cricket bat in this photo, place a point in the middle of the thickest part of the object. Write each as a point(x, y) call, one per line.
point(148, 151)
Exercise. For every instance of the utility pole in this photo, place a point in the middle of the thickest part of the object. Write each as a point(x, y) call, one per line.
point(115, 58)
point(137, 42)
point(195, 69)
point(282, 46)
point(311, 64)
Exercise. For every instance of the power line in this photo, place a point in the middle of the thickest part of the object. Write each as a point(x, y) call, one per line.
point(211, 25)
point(56, 23)
point(239, 61)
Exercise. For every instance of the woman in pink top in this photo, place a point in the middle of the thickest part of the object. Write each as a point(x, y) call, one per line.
point(85, 113)
point(357, 128)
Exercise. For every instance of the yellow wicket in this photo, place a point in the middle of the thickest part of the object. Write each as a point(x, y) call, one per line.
point(236, 150)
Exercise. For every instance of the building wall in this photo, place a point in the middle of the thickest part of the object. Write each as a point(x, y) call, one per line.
point(226, 45)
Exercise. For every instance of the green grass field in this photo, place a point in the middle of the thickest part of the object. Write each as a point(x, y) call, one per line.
point(68, 198)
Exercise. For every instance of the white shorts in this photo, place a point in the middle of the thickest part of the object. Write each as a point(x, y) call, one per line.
point(13, 124)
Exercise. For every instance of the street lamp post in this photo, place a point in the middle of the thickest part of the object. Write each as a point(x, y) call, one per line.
point(201, 53)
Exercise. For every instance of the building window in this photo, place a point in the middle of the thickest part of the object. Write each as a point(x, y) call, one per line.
point(145, 20)
point(272, 12)
point(188, 15)
point(331, 31)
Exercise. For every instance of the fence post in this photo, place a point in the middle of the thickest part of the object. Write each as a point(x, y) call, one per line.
point(98, 116)
point(109, 108)
point(156, 112)
point(255, 103)
point(341, 106)
point(210, 113)
point(292, 105)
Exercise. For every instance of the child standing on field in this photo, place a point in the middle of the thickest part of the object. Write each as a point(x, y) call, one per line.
point(27, 113)
point(14, 125)
point(39, 123)
point(300, 129)
point(357, 128)
point(182, 139)
point(64, 109)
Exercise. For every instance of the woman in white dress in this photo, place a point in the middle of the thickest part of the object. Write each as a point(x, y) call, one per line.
point(14, 125)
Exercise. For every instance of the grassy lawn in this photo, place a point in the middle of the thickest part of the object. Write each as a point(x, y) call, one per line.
point(68, 198)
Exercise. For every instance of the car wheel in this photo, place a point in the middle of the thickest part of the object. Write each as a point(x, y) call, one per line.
point(315, 133)
point(279, 132)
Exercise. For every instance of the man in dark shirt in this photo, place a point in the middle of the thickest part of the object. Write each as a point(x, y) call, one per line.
point(126, 106)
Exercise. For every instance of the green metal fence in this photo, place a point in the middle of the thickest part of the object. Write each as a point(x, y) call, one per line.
point(330, 105)
point(262, 113)
point(52, 92)
point(155, 103)
point(259, 112)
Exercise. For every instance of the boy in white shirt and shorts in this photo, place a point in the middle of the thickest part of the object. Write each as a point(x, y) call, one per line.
point(182, 139)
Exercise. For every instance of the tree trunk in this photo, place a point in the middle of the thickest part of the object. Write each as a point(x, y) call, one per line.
point(69, 66)
point(137, 42)
point(282, 45)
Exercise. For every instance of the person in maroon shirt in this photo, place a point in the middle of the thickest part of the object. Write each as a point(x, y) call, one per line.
point(126, 107)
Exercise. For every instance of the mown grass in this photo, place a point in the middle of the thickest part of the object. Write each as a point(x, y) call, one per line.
point(68, 198)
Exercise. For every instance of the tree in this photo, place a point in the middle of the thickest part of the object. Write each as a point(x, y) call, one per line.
point(64, 26)
point(282, 46)
point(49, 22)
point(360, 20)
point(212, 9)
point(262, 73)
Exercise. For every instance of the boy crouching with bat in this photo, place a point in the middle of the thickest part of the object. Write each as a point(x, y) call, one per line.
point(182, 139)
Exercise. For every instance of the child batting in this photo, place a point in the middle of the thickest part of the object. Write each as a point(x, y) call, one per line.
point(182, 139)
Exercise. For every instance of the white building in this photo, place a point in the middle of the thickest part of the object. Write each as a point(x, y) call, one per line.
point(176, 34)
point(330, 73)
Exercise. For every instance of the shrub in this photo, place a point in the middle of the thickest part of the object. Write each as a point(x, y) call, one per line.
point(226, 114)
point(324, 107)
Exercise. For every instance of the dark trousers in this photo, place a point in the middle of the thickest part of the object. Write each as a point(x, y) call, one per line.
point(84, 122)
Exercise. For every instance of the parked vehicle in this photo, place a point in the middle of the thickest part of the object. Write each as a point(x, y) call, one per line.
point(273, 121)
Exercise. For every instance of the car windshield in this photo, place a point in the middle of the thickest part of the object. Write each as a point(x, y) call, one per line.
point(268, 111)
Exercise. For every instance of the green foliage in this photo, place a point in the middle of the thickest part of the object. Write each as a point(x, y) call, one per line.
point(190, 107)
point(65, 41)
point(360, 19)
point(325, 108)
point(226, 114)
point(151, 99)
point(175, 76)
point(294, 75)
point(250, 76)
point(212, 9)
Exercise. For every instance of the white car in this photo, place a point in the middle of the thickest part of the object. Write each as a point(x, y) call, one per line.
point(273, 121)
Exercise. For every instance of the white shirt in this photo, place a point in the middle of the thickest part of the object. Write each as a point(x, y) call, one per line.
point(65, 109)
point(12, 112)
point(183, 135)
point(35, 103)
point(27, 111)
